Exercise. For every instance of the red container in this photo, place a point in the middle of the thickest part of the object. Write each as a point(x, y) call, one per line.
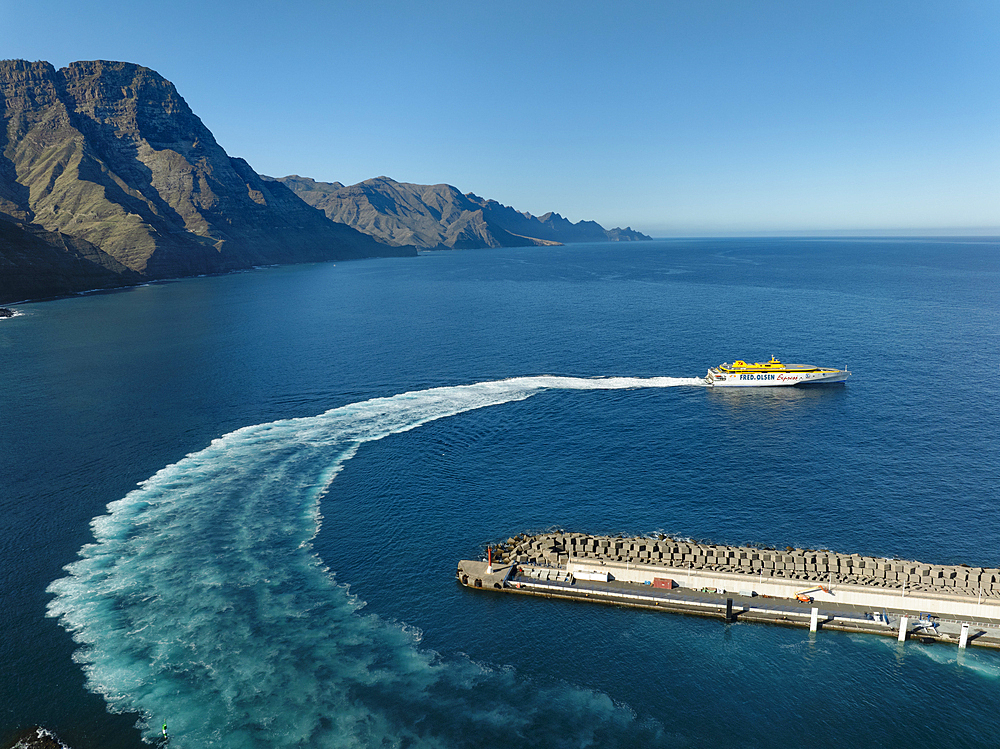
point(663, 582)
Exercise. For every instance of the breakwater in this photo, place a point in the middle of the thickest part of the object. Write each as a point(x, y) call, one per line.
point(796, 586)
point(804, 565)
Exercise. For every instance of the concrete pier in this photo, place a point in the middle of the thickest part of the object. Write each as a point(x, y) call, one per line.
point(839, 591)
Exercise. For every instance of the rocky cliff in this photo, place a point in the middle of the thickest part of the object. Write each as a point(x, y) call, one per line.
point(106, 166)
point(440, 216)
point(36, 263)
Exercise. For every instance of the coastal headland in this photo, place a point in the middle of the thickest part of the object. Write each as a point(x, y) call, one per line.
point(796, 587)
point(108, 179)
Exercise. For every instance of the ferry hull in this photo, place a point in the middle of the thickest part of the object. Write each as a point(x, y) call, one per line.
point(718, 379)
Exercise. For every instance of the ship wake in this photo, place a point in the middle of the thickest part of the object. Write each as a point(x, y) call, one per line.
point(202, 602)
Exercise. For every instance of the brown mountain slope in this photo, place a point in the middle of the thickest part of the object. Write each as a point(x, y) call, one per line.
point(109, 153)
point(439, 216)
point(36, 263)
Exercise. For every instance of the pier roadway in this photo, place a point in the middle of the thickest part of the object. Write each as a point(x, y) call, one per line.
point(867, 598)
point(712, 595)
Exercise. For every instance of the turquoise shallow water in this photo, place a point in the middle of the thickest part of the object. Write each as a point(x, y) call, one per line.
point(318, 445)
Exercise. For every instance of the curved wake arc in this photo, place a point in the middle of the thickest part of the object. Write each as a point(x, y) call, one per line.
point(201, 600)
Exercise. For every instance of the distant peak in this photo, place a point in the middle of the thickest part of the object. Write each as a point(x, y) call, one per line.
point(96, 67)
point(25, 65)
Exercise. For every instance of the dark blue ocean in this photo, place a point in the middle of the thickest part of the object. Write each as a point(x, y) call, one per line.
point(236, 503)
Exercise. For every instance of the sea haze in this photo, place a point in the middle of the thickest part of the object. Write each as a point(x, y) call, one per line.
point(316, 446)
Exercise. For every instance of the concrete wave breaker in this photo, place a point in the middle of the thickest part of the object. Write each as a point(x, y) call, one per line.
point(800, 587)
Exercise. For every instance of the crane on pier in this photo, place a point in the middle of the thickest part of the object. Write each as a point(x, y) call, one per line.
point(804, 597)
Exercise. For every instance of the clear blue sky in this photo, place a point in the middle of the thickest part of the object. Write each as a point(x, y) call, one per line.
point(686, 117)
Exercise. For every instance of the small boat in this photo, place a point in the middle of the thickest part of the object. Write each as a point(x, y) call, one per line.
point(772, 373)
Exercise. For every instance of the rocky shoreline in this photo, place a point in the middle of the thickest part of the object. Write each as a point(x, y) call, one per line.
point(557, 548)
point(36, 738)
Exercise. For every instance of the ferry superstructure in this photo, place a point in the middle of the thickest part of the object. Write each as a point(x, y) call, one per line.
point(771, 373)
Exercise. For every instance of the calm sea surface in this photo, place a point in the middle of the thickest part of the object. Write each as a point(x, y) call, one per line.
point(235, 504)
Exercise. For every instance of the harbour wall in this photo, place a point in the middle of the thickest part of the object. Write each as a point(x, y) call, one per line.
point(872, 598)
point(795, 566)
point(834, 581)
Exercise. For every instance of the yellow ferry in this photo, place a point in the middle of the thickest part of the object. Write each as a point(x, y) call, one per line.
point(771, 374)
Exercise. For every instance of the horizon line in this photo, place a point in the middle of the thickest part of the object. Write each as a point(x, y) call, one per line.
point(930, 233)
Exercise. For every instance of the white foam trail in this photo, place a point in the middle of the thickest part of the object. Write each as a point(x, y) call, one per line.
point(41, 737)
point(981, 664)
point(969, 659)
point(201, 603)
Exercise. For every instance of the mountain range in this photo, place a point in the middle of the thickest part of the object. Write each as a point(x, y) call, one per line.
point(441, 217)
point(108, 179)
